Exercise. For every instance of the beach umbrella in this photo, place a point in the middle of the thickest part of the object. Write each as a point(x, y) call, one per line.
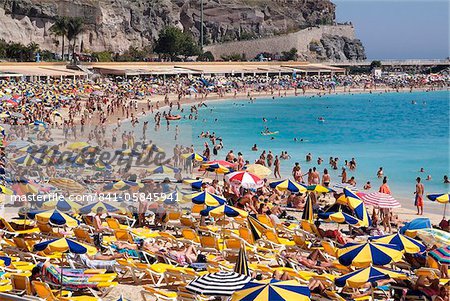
point(195, 184)
point(100, 165)
point(218, 284)
point(5, 115)
point(219, 162)
point(370, 274)
point(194, 157)
point(224, 210)
point(6, 261)
point(244, 179)
point(442, 255)
point(2, 131)
point(442, 198)
point(241, 266)
point(5, 190)
point(128, 152)
point(67, 185)
point(38, 125)
point(33, 149)
point(435, 237)
point(318, 188)
point(62, 204)
point(272, 289)
point(55, 217)
point(289, 185)
point(340, 217)
point(439, 197)
point(206, 198)
point(259, 170)
point(28, 160)
point(405, 243)
point(164, 169)
point(256, 227)
point(217, 168)
point(154, 148)
point(123, 185)
point(354, 202)
point(365, 254)
point(78, 145)
point(64, 245)
point(380, 200)
point(93, 208)
point(411, 227)
point(308, 213)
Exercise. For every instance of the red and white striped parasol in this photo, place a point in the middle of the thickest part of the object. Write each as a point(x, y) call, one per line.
point(379, 200)
point(245, 179)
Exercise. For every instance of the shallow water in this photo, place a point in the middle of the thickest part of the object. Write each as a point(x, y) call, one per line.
point(376, 129)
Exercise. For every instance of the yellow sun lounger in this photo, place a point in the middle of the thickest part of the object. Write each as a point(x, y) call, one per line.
point(43, 291)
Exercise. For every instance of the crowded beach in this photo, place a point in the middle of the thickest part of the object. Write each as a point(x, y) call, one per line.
point(198, 224)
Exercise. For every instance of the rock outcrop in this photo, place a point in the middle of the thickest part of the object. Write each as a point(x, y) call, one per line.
point(338, 48)
point(115, 25)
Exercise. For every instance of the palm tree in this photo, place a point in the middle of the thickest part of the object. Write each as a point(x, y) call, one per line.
point(59, 28)
point(31, 49)
point(74, 28)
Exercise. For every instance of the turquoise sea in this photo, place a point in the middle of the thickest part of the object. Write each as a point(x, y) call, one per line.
point(384, 130)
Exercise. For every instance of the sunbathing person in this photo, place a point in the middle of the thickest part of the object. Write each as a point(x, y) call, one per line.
point(280, 275)
point(99, 261)
point(315, 260)
point(184, 256)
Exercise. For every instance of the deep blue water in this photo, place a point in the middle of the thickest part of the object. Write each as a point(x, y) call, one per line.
point(376, 129)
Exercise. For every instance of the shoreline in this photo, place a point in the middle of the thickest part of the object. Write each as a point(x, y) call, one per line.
point(242, 96)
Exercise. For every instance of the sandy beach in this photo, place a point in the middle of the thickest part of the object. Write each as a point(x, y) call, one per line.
point(99, 110)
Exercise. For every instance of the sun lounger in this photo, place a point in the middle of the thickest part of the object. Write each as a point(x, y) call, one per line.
point(44, 291)
point(20, 284)
point(9, 230)
point(11, 297)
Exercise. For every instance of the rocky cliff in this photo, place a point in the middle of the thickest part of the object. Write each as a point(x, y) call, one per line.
point(117, 24)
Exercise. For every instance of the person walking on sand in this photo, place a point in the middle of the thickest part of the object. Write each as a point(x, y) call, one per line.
point(419, 196)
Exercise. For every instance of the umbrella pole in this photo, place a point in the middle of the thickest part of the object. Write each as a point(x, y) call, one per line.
point(61, 283)
point(445, 209)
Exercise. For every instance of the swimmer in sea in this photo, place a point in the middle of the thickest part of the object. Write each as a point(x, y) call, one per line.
point(421, 170)
point(446, 181)
point(380, 173)
point(264, 119)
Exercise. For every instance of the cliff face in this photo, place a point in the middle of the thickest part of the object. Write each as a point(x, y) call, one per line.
point(117, 24)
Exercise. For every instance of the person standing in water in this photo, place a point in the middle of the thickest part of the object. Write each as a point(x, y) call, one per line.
point(276, 170)
point(419, 196)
